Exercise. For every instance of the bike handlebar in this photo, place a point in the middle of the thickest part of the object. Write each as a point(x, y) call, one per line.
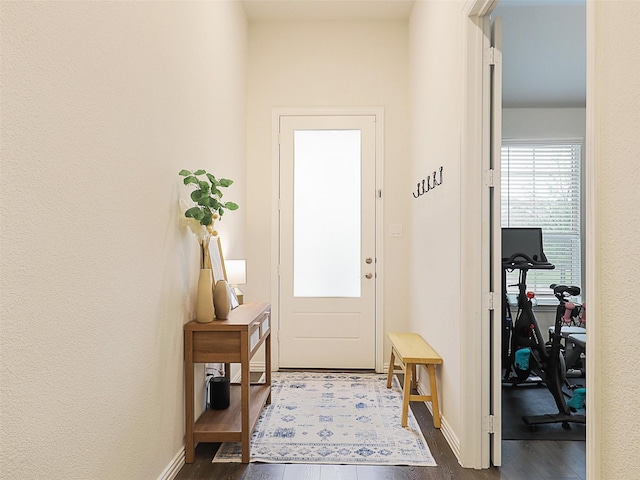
point(523, 261)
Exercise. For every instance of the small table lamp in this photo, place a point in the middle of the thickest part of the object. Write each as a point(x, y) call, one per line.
point(236, 275)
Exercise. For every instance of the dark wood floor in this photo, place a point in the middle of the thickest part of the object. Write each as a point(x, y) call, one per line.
point(522, 460)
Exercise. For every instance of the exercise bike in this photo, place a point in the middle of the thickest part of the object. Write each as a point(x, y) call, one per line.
point(526, 352)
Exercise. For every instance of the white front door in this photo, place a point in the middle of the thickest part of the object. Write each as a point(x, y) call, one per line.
point(327, 241)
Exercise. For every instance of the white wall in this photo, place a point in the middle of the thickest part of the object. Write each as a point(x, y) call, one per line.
point(102, 104)
point(329, 64)
point(437, 60)
point(616, 105)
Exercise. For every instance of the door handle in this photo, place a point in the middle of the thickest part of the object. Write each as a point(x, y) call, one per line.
point(368, 275)
point(368, 260)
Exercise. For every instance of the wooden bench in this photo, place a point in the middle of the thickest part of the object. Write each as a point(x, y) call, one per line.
point(410, 349)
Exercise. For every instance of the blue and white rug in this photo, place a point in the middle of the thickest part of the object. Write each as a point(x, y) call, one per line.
point(333, 418)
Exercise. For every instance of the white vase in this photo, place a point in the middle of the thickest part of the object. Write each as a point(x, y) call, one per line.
point(204, 299)
point(221, 300)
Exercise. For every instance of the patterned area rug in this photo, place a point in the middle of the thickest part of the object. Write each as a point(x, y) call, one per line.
point(333, 418)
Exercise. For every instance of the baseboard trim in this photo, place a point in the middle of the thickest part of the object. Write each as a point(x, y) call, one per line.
point(257, 366)
point(172, 470)
point(448, 433)
point(445, 428)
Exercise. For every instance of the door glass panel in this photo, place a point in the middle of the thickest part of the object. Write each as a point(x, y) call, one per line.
point(326, 236)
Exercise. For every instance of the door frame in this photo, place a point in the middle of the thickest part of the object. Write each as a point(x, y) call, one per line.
point(475, 339)
point(474, 452)
point(378, 113)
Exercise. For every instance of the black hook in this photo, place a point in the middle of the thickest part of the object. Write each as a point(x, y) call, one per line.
point(421, 190)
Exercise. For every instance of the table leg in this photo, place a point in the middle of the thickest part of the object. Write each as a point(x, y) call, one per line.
point(244, 387)
point(267, 361)
point(189, 444)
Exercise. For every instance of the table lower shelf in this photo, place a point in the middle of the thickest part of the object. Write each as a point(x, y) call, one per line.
point(226, 425)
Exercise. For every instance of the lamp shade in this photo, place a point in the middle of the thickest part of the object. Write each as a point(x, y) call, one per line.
point(236, 271)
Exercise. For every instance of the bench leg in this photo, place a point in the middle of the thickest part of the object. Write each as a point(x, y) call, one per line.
point(391, 368)
point(406, 393)
point(414, 377)
point(434, 395)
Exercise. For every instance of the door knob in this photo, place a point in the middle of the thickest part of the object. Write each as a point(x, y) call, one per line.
point(368, 275)
point(369, 260)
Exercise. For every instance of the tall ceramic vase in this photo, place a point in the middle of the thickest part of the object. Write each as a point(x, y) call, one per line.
point(204, 299)
point(221, 300)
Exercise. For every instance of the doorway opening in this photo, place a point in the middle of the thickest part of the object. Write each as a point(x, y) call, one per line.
point(329, 247)
point(543, 129)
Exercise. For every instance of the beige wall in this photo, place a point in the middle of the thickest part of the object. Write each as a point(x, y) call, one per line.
point(102, 104)
point(616, 88)
point(329, 64)
point(437, 60)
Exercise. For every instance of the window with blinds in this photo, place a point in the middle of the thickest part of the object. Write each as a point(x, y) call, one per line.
point(541, 188)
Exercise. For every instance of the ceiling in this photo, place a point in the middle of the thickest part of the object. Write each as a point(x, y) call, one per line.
point(543, 52)
point(544, 41)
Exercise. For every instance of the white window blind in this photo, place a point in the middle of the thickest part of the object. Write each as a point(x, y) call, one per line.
point(541, 188)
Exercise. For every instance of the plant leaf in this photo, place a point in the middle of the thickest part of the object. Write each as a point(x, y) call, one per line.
point(231, 206)
point(207, 219)
point(225, 182)
point(189, 180)
point(204, 186)
point(199, 172)
point(184, 173)
point(193, 212)
point(195, 195)
point(211, 178)
point(199, 215)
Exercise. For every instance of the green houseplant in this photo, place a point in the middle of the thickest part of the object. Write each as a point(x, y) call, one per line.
point(207, 196)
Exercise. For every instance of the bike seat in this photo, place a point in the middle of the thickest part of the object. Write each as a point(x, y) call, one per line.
point(562, 289)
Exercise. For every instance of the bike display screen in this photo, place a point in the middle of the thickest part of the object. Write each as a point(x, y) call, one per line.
point(527, 241)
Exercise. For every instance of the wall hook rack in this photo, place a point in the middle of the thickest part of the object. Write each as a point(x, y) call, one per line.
point(430, 184)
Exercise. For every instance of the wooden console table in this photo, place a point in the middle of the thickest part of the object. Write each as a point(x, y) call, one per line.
point(234, 340)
